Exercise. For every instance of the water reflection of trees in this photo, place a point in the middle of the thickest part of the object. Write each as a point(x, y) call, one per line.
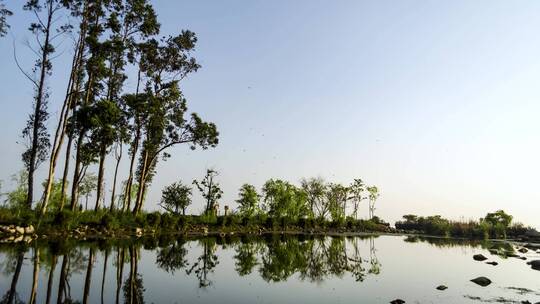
point(275, 258)
point(501, 248)
point(316, 259)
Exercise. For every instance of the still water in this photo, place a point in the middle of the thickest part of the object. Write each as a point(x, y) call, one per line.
point(264, 269)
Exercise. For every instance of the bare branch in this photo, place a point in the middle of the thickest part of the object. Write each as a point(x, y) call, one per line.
point(19, 66)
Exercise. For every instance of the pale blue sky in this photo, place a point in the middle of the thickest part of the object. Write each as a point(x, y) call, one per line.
point(435, 102)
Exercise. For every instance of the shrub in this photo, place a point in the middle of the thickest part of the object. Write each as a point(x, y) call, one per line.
point(108, 221)
point(153, 219)
point(168, 221)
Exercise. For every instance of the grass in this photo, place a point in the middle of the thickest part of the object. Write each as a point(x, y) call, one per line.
point(107, 221)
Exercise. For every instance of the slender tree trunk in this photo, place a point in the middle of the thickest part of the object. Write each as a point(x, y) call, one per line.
point(62, 280)
point(35, 277)
point(39, 102)
point(104, 273)
point(50, 280)
point(101, 172)
point(66, 169)
point(88, 278)
point(120, 273)
point(15, 279)
point(76, 172)
point(132, 273)
point(72, 88)
point(127, 194)
point(142, 182)
point(134, 148)
point(115, 176)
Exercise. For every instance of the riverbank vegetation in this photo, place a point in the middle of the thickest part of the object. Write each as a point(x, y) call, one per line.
point(314, 206)
point(494, 225)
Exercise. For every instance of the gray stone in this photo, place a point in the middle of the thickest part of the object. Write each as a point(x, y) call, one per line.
point(482, 281)
point(523, 250)
point(397, 301)
point(442, 287)
point(535, 264)
point(492, 263)
point(479, 257)
point(19, 230)
point(29, 230)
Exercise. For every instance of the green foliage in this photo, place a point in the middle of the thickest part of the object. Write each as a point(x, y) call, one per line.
point(87, 185)
point(175, 198)
point(16, 199)
point(337, 199)
point(315, 189)
point(356, 194)
point(373, 196)
point(499, 218)
point(248, 200)
point(495, 225)
point(153, 219)
point(283, 199)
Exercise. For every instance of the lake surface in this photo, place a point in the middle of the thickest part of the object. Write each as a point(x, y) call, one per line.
point(267, 269)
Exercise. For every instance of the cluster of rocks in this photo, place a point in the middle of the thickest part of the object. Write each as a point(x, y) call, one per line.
point(17, 230)
point(483, 281)
point(15, 234)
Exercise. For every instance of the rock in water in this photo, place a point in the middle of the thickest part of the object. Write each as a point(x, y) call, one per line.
point(441, 287)
point(482, 281)
point(492, 263)
point(397, 301)
point(523, 250)
point(19, 230)
point(29, 230)
point(479, 257)
point(535, 264)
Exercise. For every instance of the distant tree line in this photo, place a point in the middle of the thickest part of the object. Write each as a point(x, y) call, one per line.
point(495, 225)
point(313, 198)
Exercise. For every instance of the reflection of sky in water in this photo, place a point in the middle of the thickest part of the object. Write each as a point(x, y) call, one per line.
point(410, 271)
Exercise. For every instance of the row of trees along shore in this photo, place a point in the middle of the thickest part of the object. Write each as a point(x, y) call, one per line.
point(314, 198)
point(100, 116)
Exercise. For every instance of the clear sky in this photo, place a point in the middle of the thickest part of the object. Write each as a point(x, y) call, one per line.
point(437, 103)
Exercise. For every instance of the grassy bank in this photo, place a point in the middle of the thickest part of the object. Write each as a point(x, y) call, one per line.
point(497, 225)
point(105, 221)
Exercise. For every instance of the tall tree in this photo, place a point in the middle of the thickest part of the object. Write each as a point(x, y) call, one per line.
point(96, 72)
point(105, 117)
point(133, 19)
point(373, 196)
point(337, 200)
point(164, 63)
point(209, 189)
point(315, 189)
point(356, 192)
point(80, 10)
point(35, 131)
